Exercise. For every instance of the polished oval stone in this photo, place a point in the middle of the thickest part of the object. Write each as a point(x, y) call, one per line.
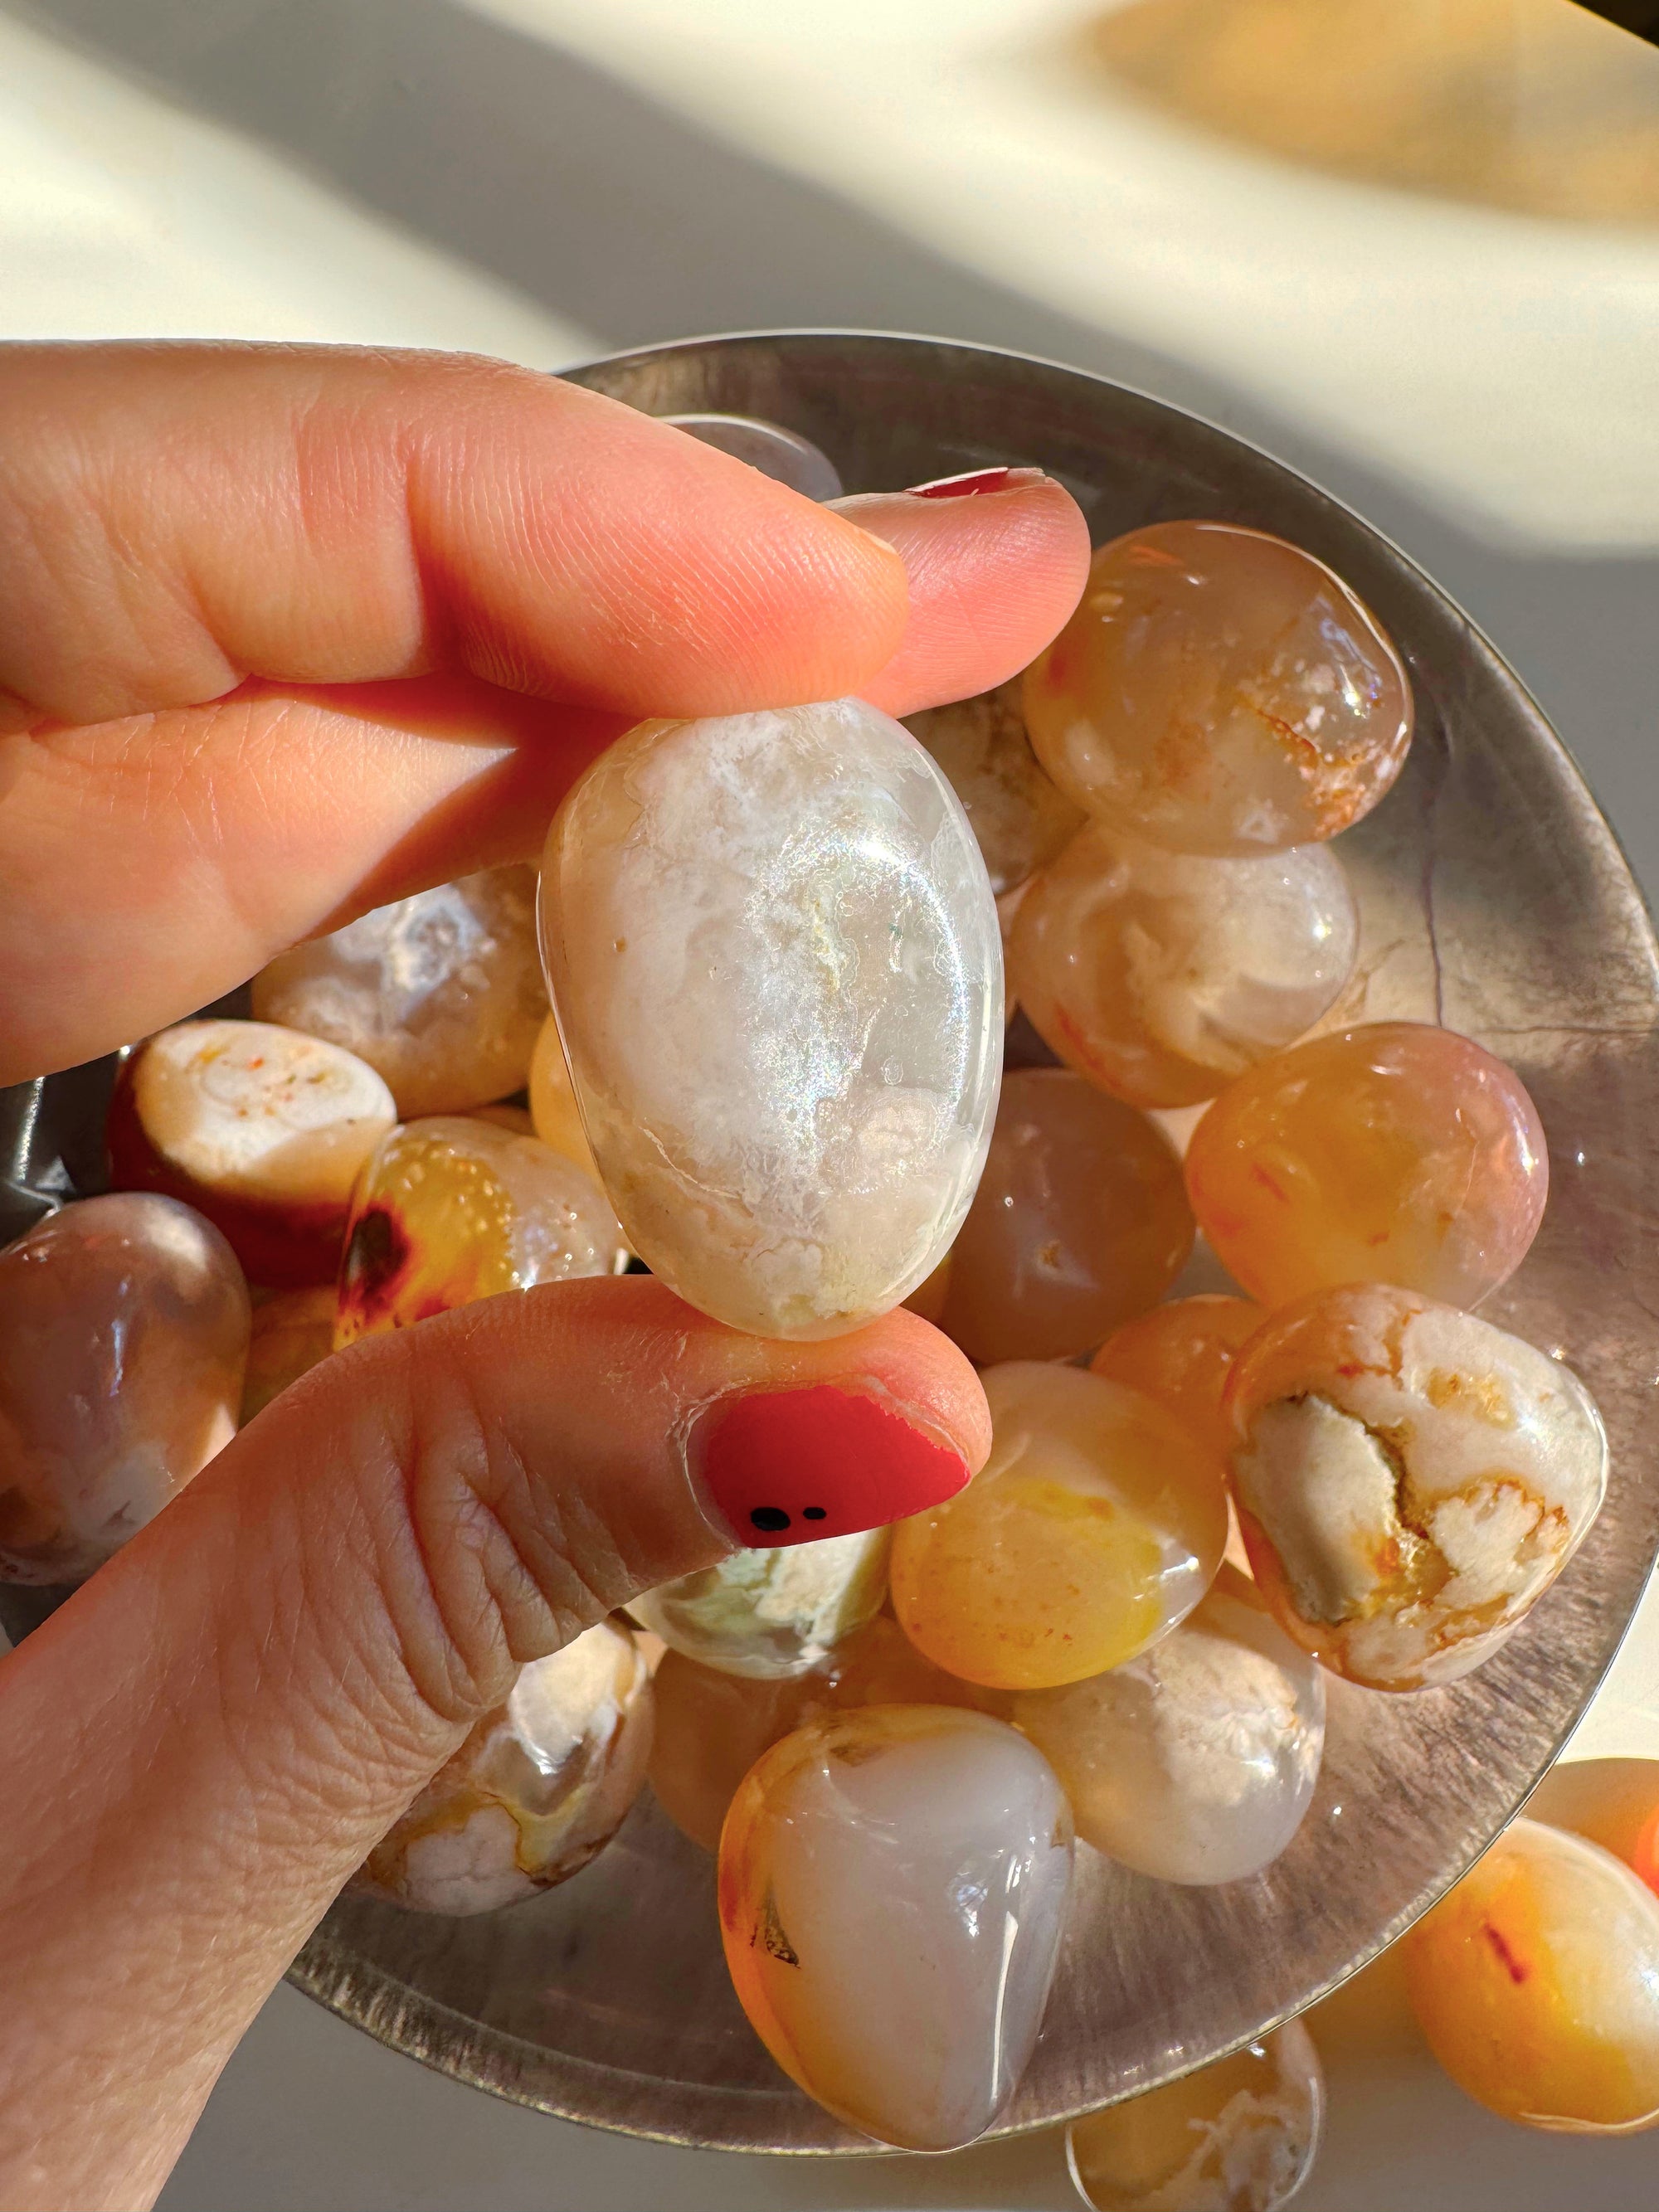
point(1161, 977)
point(1080, 1221)
point(263, 1129)
point(1097, 1522)
point(1409, 1480)
point(293, 1331)
point(1021, 820)
point(1197, 1761)
point(771, 1614)
point(1611, 1801)
point(1218, 691)
point(1392, 1152)
point(442, 993)
point(1536, 1982)
point(540, 1785)
point(778, 971)
point(455, 1208)
point(893, 1892)
point(124, 1334)
point(1239, 2135)
point(555, 1116)
point(712, 1726)
point(1182, 1354)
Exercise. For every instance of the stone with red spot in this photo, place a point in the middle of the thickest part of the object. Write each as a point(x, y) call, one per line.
point(1536, 1982)
point(261, 1129)
point(451, 1209)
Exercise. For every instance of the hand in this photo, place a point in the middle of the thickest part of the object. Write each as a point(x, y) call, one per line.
point(284, 634)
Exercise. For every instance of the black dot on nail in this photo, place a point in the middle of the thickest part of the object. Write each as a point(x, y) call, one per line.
point(770, 1517)
point(811, 1513)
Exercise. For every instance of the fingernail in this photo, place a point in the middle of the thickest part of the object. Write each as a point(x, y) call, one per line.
point(791, 1466)
point(977, 480)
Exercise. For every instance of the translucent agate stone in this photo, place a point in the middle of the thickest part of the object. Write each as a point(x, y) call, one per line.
point(452, 1209)
point(554, 1113)
point(1536, 1982)
point(292, 1331)
point(1239, 2135)
point(892, 1892)
point(263, 1129)
point(123, 1332)
point(1161, 977)
point(1096, 1524)
point(1079, 1221)
point(1220, 691)
point(1197, 1761)
point(711, 1727)
point(779, 976)
point(1393, 1153)
point(1019, 817)
point(442, 993)
point(774, 1613)
point(1611, 1801)
point(537, 1790)
point(1409, 1480)
point(1182, 1354)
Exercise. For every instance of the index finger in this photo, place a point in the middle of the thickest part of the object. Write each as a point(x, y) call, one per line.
point(174, 520)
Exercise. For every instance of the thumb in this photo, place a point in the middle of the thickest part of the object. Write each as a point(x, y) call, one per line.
point(517, 1470)
point(253, 1690)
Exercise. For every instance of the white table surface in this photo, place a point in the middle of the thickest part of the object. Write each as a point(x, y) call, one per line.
point(544, 179)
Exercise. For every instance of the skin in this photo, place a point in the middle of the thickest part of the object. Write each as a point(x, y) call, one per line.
point(285, 634)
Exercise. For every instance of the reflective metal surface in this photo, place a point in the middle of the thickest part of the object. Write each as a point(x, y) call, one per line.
point(1493, 897)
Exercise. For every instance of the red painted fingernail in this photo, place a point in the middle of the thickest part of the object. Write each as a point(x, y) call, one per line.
point(790, 1467)
point(976, 480)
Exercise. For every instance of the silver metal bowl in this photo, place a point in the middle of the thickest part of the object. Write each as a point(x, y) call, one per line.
point(1494, 898)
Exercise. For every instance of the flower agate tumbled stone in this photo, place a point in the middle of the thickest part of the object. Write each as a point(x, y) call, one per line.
point(712, 1726)
point(778, 972)
point(1161, 977)
point(292, 1332)
point(1080, 1220)
point(1611, 1801)
point(1182, 1354)
point(1396, 1152)
point(263, 1129)
point(554, 1113)
point(1536, 1982)
point(774, 1612)
point(893, 1892)
point(540, 1785)
point(1220, 691)
point(123, 1333)
point(454, 1209)
point(1020, 819)
point(1409, 1480)
point(1195, 1762)
point(442, 993)
point(1238, 2136)
point(1097, 1522)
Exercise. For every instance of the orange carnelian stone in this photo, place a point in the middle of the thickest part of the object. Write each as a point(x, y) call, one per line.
point(1182, 1354)
point(1394, 1153)
point(1536, 1982)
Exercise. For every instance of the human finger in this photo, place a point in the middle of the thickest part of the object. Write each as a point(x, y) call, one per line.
point(202, 1744)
